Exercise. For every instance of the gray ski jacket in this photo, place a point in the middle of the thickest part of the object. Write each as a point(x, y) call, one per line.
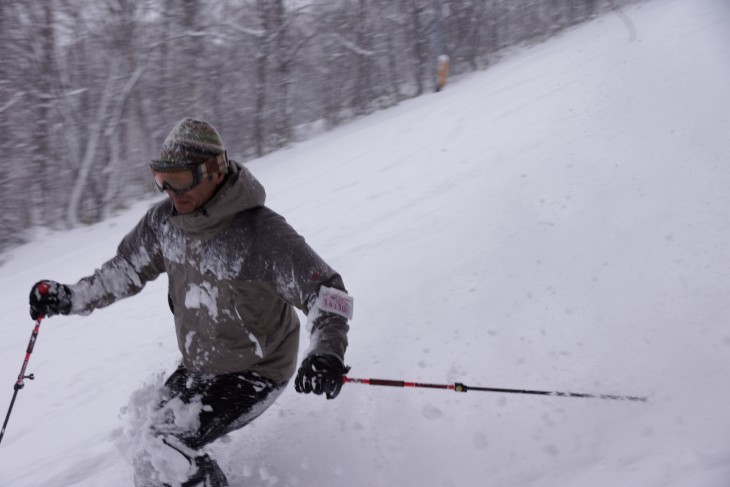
point(236, 270)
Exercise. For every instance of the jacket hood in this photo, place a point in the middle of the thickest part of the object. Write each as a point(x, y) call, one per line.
point(240, 191)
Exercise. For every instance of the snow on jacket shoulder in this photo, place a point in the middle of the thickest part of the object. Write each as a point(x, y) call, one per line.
point(236, 271)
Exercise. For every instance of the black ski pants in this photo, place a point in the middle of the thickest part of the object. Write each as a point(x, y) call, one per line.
point(230, 401)
point(224, 403)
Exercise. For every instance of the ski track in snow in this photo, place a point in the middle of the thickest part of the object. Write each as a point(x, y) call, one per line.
point(556, 222)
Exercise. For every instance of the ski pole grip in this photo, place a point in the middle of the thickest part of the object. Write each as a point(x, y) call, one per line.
point(43, 287)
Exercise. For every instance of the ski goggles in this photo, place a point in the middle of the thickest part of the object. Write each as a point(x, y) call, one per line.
point(182, 178)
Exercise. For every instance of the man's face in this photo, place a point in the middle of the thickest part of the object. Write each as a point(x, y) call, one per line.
point(195, 197)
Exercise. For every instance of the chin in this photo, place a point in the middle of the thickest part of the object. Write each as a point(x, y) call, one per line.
point(184, 207)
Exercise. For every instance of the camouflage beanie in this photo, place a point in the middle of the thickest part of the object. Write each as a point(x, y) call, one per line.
point(189, 143)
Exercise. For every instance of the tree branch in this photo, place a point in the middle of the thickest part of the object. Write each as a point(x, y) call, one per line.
point(352, 46)
point(15, 98)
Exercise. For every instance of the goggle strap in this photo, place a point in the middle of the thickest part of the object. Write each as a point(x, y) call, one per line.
point(218, 164)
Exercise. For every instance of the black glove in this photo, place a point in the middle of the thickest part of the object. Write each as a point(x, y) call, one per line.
point(320, 374)
point(48, 298)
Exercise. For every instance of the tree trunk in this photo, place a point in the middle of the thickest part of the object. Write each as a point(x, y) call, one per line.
point(94, 136)
point(193, 55)
point(43, 172)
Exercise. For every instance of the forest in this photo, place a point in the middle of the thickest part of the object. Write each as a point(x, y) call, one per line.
point(89, 88)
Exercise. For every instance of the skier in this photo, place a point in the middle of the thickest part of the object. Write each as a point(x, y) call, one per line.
point(236, 270)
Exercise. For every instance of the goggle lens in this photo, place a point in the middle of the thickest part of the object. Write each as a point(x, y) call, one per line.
point(178, 182)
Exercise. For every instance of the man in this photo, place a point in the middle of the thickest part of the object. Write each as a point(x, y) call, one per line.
point(236, 270)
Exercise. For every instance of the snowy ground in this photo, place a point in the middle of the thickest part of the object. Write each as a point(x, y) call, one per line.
point(556, 222)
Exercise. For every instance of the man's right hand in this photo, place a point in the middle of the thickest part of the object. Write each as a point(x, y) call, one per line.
point(48, 298)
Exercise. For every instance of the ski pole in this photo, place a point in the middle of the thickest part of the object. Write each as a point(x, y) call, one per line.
point(20, 383)
point(459, 387)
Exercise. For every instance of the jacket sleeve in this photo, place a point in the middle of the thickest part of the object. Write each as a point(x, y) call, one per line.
point(298, 275)
point(138, 260)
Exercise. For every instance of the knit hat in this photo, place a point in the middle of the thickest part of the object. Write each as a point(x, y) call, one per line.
point(189, 143)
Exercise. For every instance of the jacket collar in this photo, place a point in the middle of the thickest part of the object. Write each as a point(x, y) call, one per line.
point(239, 192)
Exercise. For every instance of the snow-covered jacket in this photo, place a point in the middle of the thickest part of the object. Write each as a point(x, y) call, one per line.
point(236, 271)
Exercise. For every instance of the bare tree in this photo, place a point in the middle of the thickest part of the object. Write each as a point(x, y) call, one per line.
point(419, 30)
point(291, 36)
point(38, 64)
point(391, 27)
point(13, 218)
point(364, 91)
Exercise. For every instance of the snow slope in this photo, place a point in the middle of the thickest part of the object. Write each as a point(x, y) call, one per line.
point(557, 222)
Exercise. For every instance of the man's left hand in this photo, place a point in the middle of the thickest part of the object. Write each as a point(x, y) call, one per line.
point(321, 374)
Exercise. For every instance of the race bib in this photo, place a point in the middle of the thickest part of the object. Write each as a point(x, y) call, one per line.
point(335, 301)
